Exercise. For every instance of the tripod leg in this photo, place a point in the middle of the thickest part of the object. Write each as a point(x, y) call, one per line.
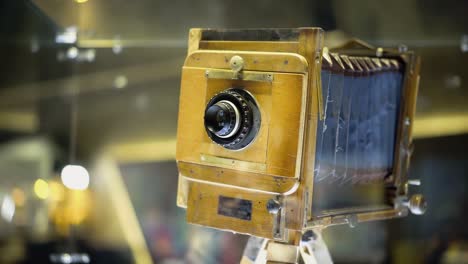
point(263, 251)
point(255, 251)
point(314, 250)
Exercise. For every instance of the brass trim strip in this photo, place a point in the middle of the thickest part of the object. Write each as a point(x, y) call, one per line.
point(232, 163)
point(269, 46)
point(357, 209)
point(244, 75)
point(253, 61)
point(254, 181)
point(353, 219)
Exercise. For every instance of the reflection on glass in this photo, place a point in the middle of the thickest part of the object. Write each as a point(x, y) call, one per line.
point(122, 67)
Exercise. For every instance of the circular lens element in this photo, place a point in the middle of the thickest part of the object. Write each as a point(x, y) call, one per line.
point(232, 119)
point(222, 119)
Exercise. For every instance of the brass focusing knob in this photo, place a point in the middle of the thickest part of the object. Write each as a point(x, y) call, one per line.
point(417, 204)
point(273, 206)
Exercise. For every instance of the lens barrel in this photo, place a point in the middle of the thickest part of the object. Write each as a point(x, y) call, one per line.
point(222, 119)
point(232, 118)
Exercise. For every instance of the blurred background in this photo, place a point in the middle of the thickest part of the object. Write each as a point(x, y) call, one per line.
point(94, 84)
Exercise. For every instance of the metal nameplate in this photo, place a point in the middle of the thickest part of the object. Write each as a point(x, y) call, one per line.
point(234, 207)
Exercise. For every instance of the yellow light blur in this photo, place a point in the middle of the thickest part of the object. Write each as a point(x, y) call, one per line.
point(18, 197)
point(57, 192)
point(73, 209)
point(41, 189)
point(81, 1)
point(78, 207)
point(440, 124)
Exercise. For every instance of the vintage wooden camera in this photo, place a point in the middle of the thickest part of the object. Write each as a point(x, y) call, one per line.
point(272, 123)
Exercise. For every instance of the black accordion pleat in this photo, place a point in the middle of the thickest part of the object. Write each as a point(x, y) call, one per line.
point(356, 137)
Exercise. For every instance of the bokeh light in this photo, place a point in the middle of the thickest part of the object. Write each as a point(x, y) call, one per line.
point(41, 189)
point(8, 208)
point(18, 197)
point(75, 177)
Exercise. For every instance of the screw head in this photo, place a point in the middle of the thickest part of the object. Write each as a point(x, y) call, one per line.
point(273, 206)
point(407, 121)
point(236, 63)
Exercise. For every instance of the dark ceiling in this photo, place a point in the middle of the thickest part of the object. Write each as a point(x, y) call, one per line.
point(153, 37)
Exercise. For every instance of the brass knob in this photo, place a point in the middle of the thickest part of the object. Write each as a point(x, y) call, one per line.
point(273, 206)
point(417, 204)
point(237, 64)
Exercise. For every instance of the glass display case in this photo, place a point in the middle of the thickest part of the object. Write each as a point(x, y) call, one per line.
point(89, 94)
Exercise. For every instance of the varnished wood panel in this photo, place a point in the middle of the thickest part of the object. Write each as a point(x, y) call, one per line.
point(407, 111)
point(310, 46)
point(262, 91)
point(286, 124)
point(202, 209)
point(276, 145)
point(253, 61)
point(273, 46)
point(236, 178)
point(194, 39)
point(279, 144)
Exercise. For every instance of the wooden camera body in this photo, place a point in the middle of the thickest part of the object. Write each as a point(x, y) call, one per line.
point(254, 172)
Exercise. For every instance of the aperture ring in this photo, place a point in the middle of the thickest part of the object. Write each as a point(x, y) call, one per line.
point(242, 134)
